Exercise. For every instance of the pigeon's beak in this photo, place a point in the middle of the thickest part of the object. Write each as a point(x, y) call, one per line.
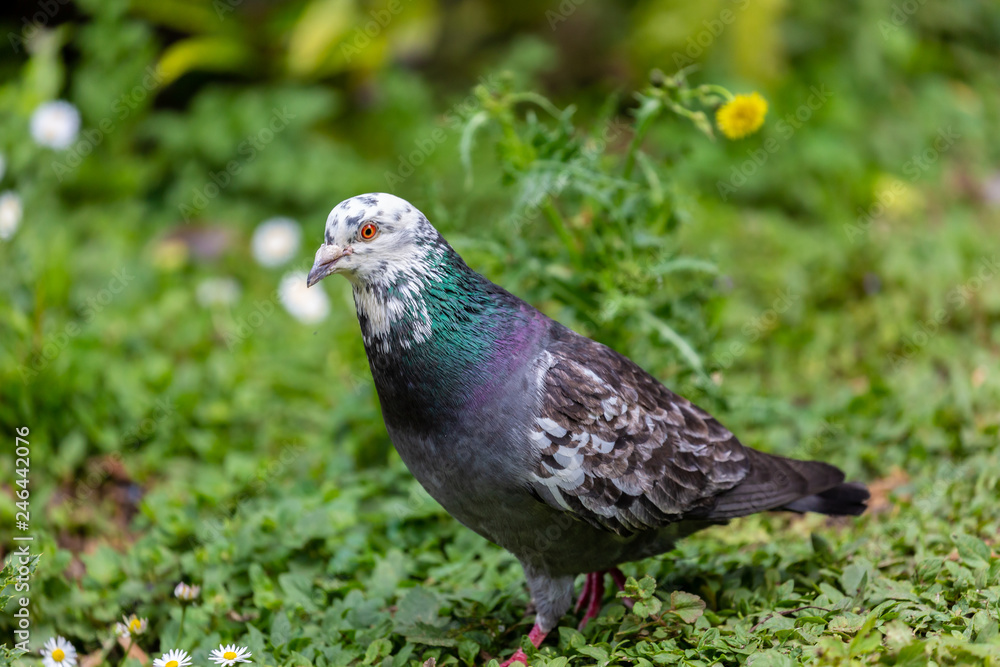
point(326, 260)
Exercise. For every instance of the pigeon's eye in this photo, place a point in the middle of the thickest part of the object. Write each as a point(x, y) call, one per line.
point(368, 231)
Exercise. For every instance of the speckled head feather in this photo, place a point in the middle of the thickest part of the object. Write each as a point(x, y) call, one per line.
point(433, 328)
point(390, 253)
point(403, 238)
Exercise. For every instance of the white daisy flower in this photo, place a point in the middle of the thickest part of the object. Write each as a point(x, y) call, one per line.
point(57, 652)
point(229, 655)
point(306, 305)
point(55, 124)
point(216, 292)
point(11, 211)
point(131, 625)
point(186, 592)
point(174, 658)
point(276, 241)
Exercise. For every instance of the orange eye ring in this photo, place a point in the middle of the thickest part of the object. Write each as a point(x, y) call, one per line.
point(368, 231)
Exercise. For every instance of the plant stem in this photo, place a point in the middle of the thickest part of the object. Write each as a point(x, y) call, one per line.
point(131, 641)
point(637, 137)
point(180, 630)
point(559, 225)
point(784, 613)
point(539, 100)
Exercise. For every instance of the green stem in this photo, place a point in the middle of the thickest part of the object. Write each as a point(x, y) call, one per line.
point(637, 137)
point(707, 88)
point(559, 225)
point(537, 99)
point(180, 630)
point(131, 641)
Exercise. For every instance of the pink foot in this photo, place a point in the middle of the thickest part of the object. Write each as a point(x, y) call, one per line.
point(518, 656)
point(535, 637)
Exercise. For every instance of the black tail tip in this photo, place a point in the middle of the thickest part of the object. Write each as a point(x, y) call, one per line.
point(845, 499)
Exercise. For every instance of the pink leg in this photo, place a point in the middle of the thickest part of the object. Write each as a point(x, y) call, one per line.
point(619, 578)
point(535, 637)
point(596, 594)
point(588, 586)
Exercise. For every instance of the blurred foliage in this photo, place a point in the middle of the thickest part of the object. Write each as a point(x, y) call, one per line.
point(827, 286)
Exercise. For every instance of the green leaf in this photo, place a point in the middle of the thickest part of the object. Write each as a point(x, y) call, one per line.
point(281, 629)
point(687, 606)
point(255, 642)
point(377, 649)
point(403, 656)
point(822, 548)
point(468, 651)
point(570, 637)
point(770, 658)
point(419, 606)
point(595, 652)
point(675, 339)
point(854, 578)
point(467, 141)
point(216, 54)
point(973, 551)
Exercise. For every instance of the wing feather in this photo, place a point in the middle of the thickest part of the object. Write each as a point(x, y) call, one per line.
point(621, 451)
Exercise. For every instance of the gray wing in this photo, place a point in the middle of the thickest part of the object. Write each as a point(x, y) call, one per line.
point(620, 450)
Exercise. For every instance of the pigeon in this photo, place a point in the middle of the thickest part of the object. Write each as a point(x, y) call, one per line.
point(557, 448)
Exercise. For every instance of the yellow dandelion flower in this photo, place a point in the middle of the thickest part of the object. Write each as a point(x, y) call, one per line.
point(742, 115)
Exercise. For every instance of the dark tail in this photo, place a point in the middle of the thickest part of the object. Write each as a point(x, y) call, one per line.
point(779, 483)
point(847, 499)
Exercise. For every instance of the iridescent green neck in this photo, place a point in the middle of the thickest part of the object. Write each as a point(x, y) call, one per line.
point(441, 335)
point(437, 301)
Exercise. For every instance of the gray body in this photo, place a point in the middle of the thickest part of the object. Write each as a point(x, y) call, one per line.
point(467, 467)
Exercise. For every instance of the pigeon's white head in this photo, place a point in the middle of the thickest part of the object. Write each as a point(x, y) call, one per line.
point(374, 238)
